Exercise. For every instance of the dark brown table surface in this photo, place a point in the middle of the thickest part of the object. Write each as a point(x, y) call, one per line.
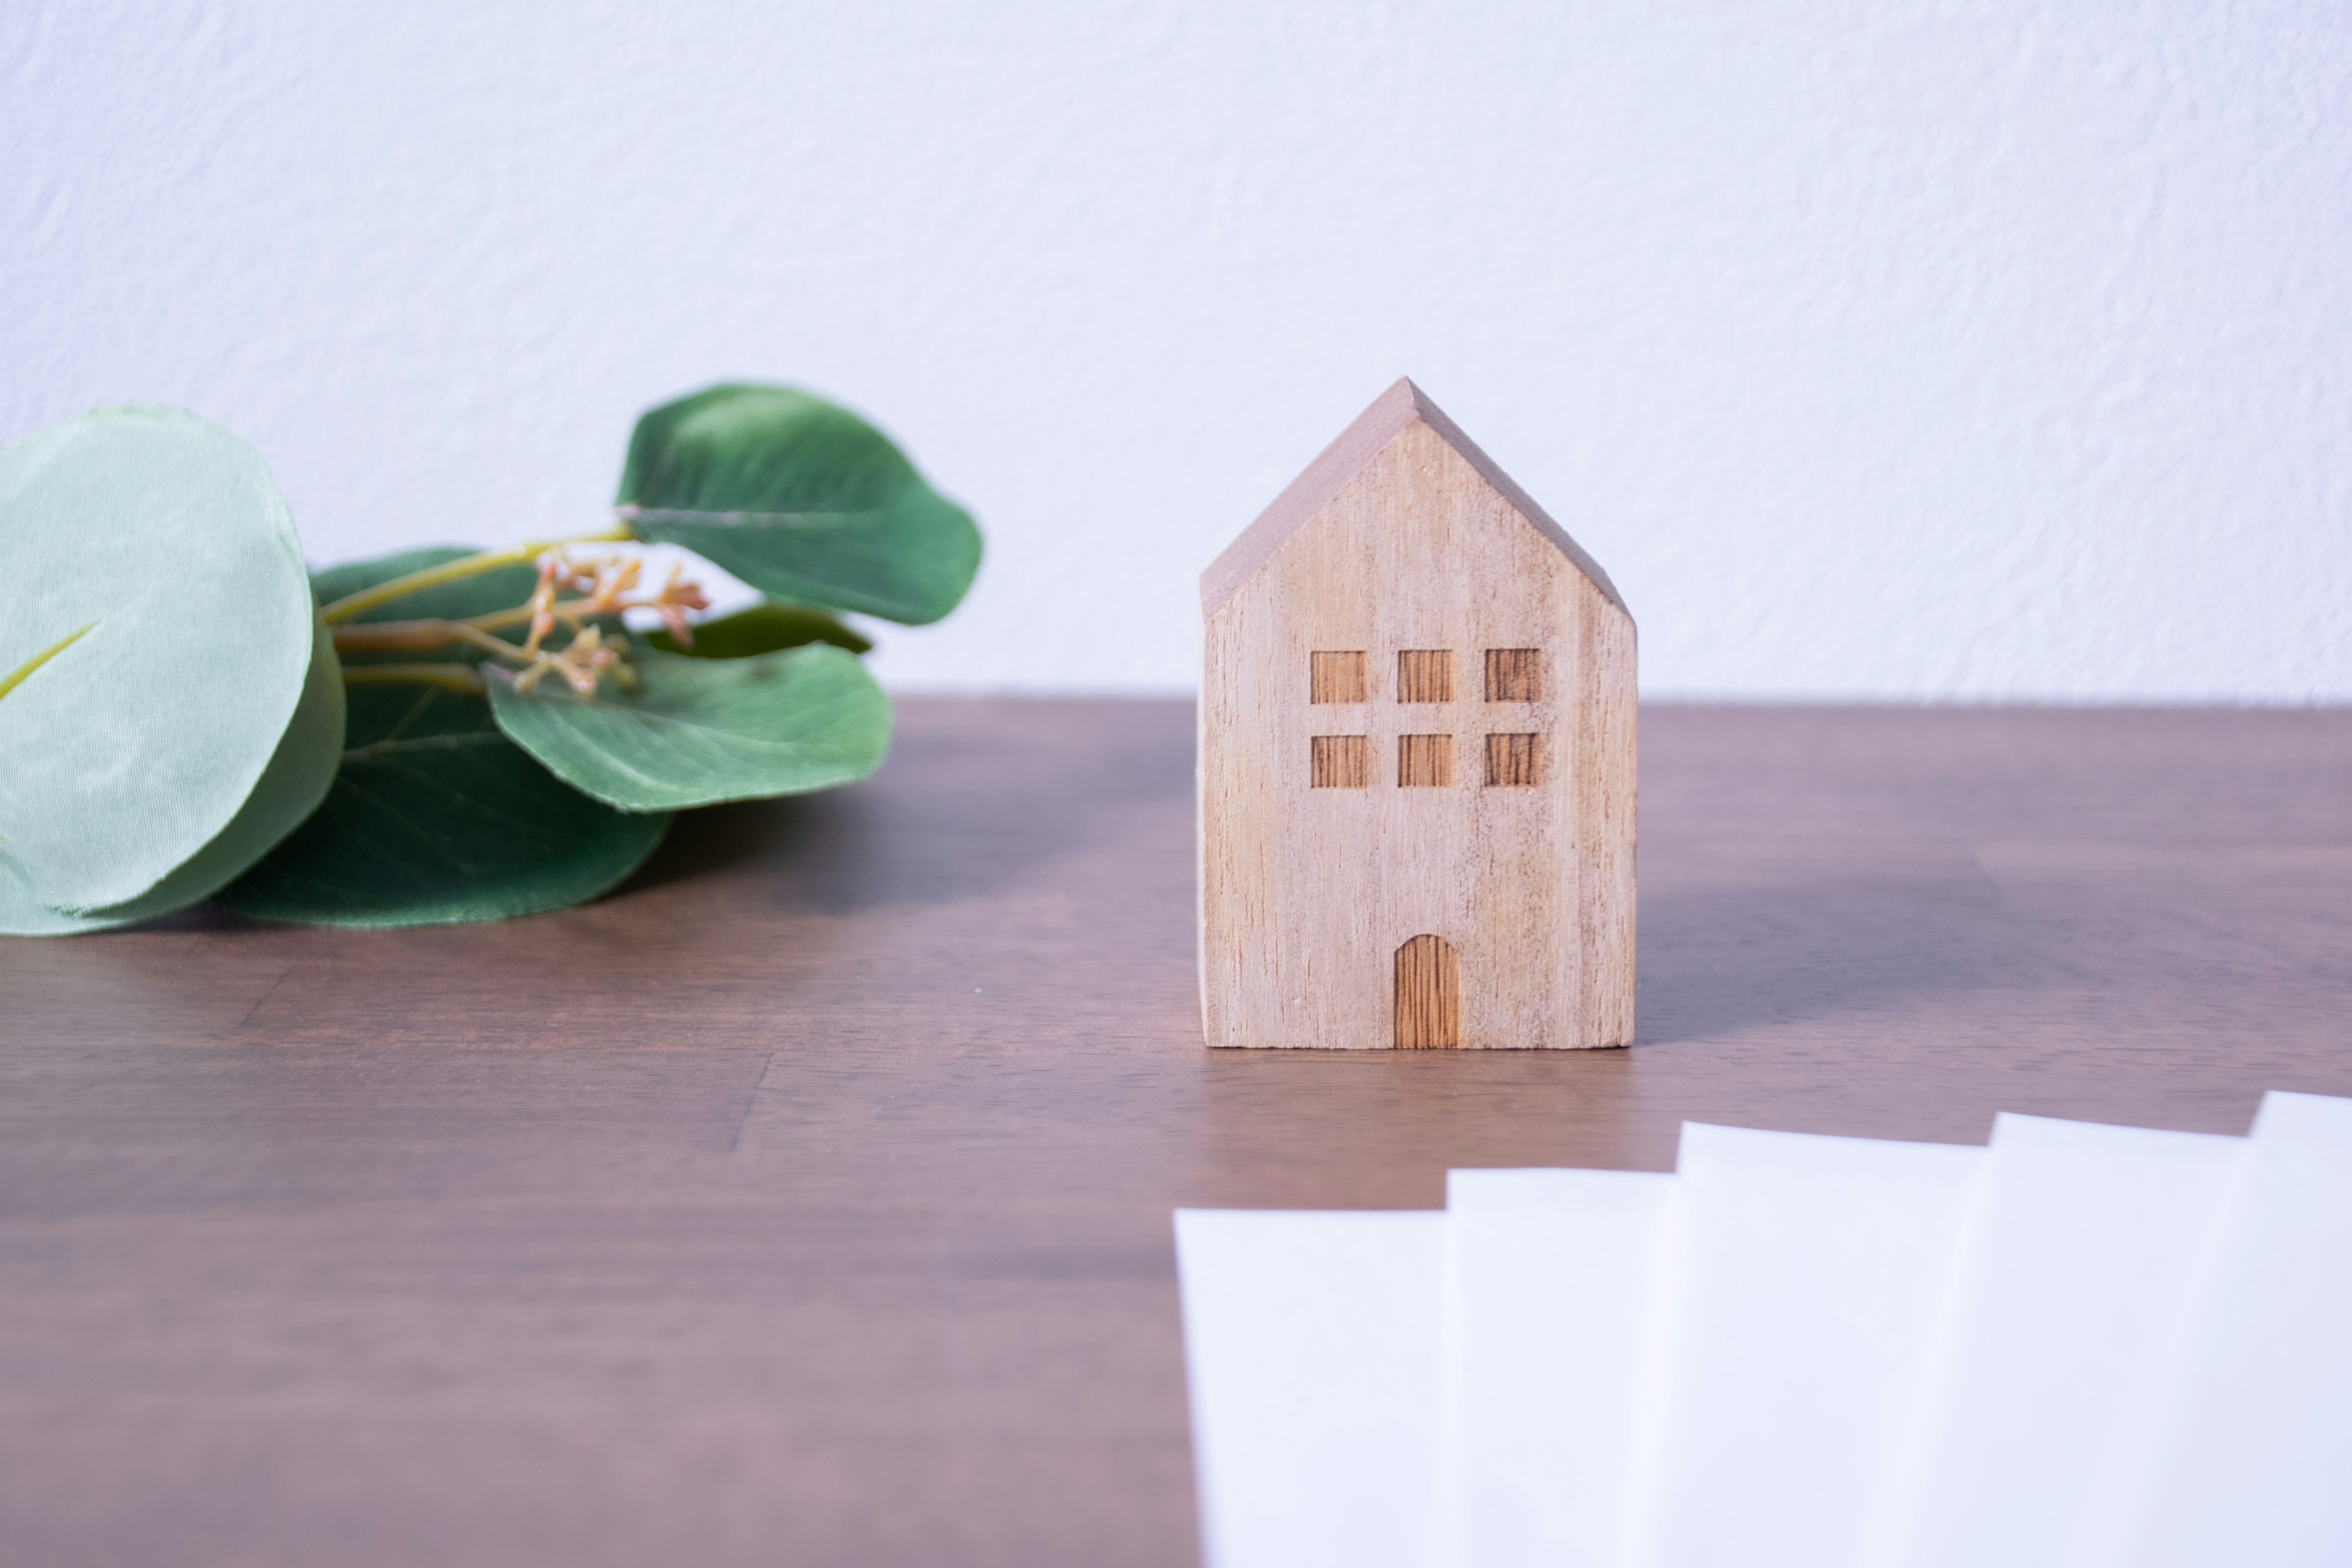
point(807, 1202)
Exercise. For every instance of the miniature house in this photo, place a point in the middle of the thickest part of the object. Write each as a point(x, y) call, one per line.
point(1416, 761)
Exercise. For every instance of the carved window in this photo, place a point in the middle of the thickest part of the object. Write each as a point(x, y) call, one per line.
point(1425, 675)
point(1336, 677)
point(1513, 759)
point(1341, 762)
point(1514, 675)
point(1425, 761)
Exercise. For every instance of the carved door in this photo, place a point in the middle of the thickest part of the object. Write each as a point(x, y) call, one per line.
point(1428, 995)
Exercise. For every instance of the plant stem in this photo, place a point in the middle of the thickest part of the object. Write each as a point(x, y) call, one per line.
point(422, 637)
point(462, 678)
point(367, 599)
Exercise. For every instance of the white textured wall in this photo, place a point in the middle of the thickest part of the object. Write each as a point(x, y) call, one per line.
point(1879, 349)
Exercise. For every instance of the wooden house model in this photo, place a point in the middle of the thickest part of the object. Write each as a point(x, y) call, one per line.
point(1416, 761)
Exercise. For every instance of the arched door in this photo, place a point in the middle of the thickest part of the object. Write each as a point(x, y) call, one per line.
point(1428, 995)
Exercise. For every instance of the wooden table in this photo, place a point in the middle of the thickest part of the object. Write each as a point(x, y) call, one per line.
point(808, 1202)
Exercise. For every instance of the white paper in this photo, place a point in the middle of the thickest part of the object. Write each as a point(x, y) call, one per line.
point(2304, 1118)
point(2252, 1461)
point(1551, 1278)
point(2079, 1270)
point(1312, 1351)
point(1808, 1274)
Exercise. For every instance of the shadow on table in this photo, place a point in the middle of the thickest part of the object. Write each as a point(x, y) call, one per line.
point(1720, 959)
point(972, 798)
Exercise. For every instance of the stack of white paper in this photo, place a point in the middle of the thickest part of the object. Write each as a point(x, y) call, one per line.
point(2086, 1346)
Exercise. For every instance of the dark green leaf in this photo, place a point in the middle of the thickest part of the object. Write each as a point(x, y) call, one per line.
point(439, 819)
point(763, 628)
point(436, 818)
point(700, 730)
point(800, 499)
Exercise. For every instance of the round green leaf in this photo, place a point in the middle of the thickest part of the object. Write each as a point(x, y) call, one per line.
point(763, 628)
point(436, 818)
point(139, 746)
point(700, 730)
point(290, 789)
point(21, 914)
point(800, 499)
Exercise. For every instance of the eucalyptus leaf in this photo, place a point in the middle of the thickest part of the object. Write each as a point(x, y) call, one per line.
point(290, 789)
point(800, 499)
point(766, 628)
point(435, 817)
point(700, 730)
point(22, 914)
point(143, 741)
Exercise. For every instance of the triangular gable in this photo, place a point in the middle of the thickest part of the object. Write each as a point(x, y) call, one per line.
point(1390, 414)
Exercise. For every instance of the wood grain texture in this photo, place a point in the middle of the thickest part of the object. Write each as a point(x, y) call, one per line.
point(1428, 995)
point(1514, 761)
point(1338, 676)
point(1339, 762)
point(1425, 761)
point(808, 1200)
point(1425, 675)
point(1514, 675)
point(1478, 620)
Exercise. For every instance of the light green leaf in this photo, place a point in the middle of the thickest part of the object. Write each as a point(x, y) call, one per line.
point(290, 789)
point(763, 628)
point(800, 499)
point(21, 914)
point(140, 745)
point(436, 818)
point(700, 730)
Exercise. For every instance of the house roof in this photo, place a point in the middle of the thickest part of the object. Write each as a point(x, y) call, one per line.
point(1395, 411)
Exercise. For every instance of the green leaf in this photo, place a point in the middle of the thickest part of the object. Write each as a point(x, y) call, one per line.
point(700, 731)
point(22, 914)
point(145, 742)
point(436, 818)
point(763, 628)
point(291, 788)
point(800, 499)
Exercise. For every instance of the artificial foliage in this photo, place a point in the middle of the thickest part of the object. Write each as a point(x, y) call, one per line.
point(439, 735)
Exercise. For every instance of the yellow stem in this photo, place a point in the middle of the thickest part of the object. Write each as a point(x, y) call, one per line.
point(461, 678)
point(367, 599)
point(11, 681)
